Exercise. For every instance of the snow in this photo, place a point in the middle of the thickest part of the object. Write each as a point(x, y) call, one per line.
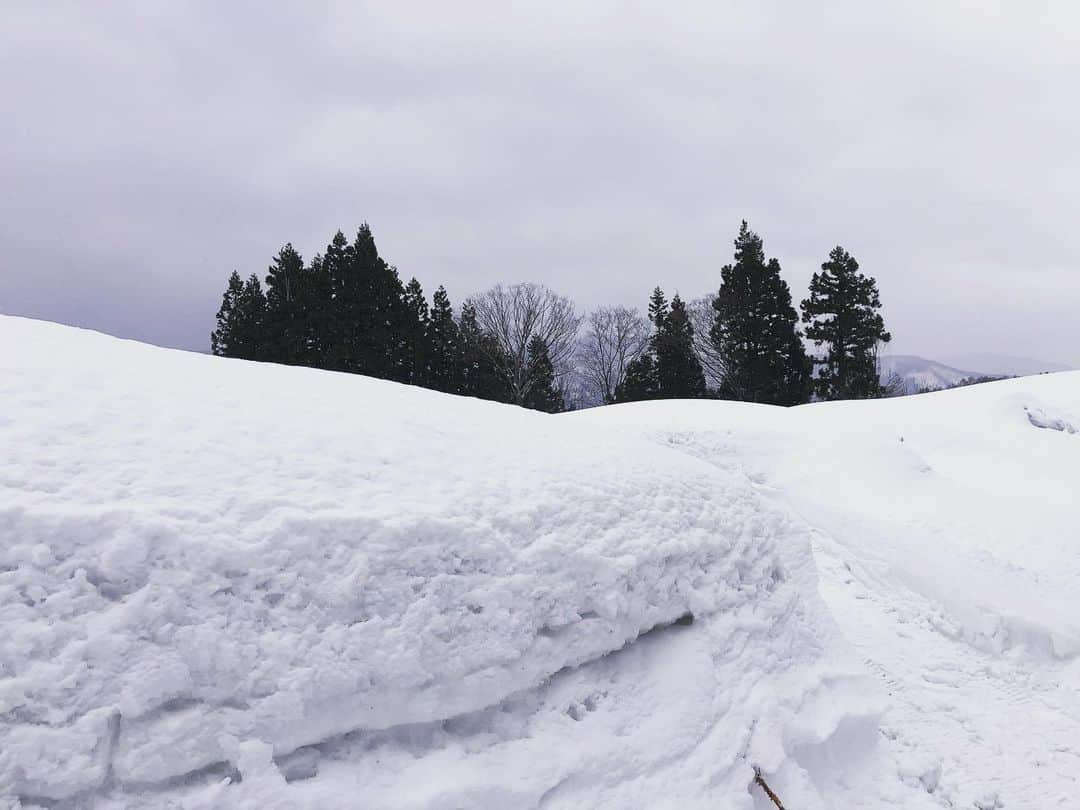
point(945, 536)
point(920, 374)
point(215, 569)
point(225, 584)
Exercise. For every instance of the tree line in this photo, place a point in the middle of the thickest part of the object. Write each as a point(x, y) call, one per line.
point(348, 310)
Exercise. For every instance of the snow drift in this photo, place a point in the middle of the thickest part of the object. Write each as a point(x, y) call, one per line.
point(946, 533)
point(232, 584)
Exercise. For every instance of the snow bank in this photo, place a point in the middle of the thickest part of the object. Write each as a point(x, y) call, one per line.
point(350, 592)
point(970, 496)
point(946, 530)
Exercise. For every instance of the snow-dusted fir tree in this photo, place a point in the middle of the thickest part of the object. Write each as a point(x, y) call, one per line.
point(842, 318)
point(678, 369)
point(669, 368)
point(286, 307)
point(755, 332)
point(543, 393)
point(446, 362)
point(414, 345)
point(241, 320)
point(481, 375)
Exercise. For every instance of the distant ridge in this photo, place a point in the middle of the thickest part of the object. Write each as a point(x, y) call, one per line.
point(1005, 365)
point(919, 373)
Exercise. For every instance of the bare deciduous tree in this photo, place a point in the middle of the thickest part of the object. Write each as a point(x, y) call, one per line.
point(615, 338)
point(513, 316)
point(702, 317)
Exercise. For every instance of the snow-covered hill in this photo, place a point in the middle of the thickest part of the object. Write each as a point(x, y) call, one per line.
point(920, 374)
point(215, 569)
point(225, 584)
point(946, 532)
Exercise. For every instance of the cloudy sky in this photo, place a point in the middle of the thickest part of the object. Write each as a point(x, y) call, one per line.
point(148, 149)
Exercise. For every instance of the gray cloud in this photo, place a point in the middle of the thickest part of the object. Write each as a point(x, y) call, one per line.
point(149, 149)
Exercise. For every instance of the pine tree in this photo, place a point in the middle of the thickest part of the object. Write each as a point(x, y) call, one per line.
point(842, 315)
point(640, 382)
point(658, 308)
point(241, 320)
point(755, 331)
point(543, 394)
point(481, 377)
point(669, 367)
point(446, 366)
point(359, 321)
point(415, 347)
point(320, 333)
point(386, 323)
point(286, 309)
point(283, 278)
point(678, 371)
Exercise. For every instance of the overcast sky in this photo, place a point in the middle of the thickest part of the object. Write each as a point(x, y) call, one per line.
point(148, 149)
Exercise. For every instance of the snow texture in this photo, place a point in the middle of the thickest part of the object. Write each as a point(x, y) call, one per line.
point(225, 584)
point(945, 534)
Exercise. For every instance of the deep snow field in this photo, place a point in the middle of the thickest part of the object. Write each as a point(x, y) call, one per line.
point(225, 584)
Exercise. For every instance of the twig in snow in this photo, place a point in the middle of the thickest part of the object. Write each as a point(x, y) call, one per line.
point(768, 791)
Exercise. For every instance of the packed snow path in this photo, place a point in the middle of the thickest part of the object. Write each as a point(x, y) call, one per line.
point(976, 729)
point(225, 584)
point(947, 544)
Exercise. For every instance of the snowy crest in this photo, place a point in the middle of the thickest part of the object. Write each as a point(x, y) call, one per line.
point(224, 582)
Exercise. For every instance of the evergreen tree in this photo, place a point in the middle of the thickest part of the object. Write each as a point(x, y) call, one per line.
point(283, 278)
point(446, 366)
point(543, 394)
point(669, 367)
point(317, 323)
point(678, 371)
point(755, 331)
point(482, 377)
point(641, 381)
point(415, 347)
point(286, 308)
point(360, 322)
point(340, 319)
point(240, 320)
point(842, 315)
point(388, 324)
point(658, 308)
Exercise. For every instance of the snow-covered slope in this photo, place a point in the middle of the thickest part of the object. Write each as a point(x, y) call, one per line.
point(920, 374)
point(947, 536)
point(225, 584)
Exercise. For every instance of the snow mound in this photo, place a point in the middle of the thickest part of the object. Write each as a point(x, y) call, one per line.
point(225, 584)
point(945, 533)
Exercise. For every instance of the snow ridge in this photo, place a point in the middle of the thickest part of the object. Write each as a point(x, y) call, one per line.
point(221, 574)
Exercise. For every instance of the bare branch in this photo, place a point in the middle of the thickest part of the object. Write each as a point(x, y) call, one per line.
point(702, 316)
point(616, 336)
point(513, 316)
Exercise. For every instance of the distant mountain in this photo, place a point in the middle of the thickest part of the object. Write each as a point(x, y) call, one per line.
point(1003, 365)
point(918, 373)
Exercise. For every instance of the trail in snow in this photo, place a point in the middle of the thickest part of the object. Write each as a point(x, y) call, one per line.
point(975, 729)
point(945, 537)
